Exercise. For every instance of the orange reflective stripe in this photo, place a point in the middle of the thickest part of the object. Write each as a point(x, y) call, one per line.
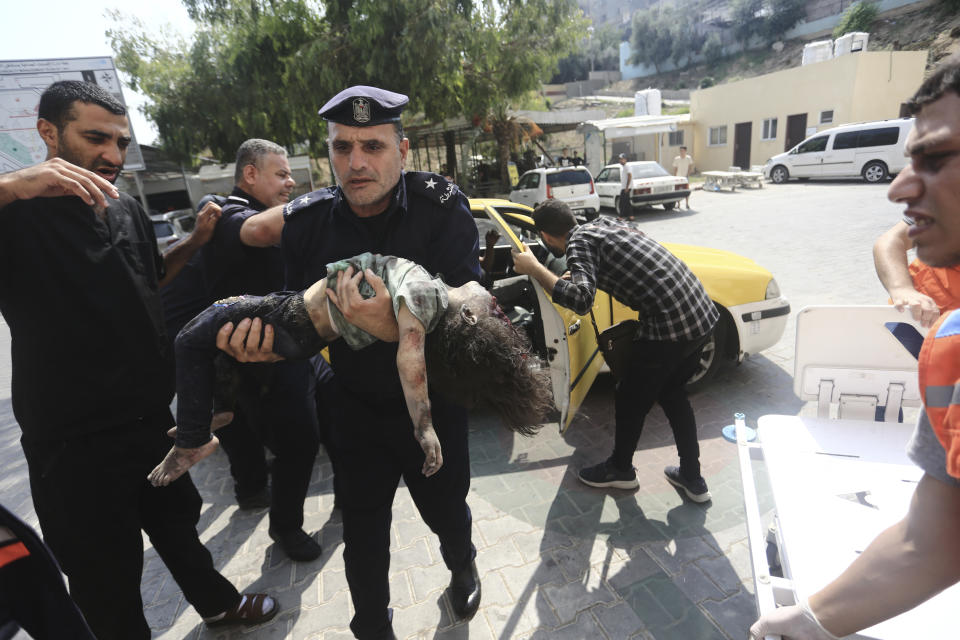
point(13, 552)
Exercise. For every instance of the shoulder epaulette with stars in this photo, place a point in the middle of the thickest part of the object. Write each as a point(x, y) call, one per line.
point(307, 200)
point(432, 186)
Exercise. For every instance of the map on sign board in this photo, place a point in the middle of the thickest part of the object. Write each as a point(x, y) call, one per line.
point(21, 84)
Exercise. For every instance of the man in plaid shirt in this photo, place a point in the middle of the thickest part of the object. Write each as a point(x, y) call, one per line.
point(676, 318)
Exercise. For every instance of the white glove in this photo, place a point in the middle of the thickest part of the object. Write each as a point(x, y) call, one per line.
point(795, 622)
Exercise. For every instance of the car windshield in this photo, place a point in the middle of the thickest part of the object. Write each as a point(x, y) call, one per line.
point(567, 178)
point(652, 170)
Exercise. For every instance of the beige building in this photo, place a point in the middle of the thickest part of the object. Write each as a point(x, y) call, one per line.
point(746, 122)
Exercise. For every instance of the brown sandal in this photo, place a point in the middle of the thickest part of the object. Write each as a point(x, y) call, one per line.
point(253, 608)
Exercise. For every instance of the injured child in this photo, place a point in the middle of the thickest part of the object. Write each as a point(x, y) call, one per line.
point(455, 337)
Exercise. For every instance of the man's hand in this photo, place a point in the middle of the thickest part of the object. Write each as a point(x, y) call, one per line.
point(374, 315)
point(244, 343)
point(491, 238)
point(206, 223)
point(525, 263)
point(794, 622)
point(922, 307)
point(53, 178)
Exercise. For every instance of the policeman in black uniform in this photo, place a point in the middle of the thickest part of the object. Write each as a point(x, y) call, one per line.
point(276, 405)
point(421, 216)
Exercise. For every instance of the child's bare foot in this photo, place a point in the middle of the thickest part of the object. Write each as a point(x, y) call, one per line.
point(219, 420)
point(178, 460)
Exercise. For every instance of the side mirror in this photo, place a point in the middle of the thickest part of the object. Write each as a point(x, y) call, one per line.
point(514, 187)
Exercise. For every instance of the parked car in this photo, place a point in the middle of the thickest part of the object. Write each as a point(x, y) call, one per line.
point(171, 226)
point(753, 313)
point(871, 150)
point(652, 184)
point(573, 185)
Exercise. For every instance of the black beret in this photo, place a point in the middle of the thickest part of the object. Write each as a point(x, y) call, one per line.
point(362, 106)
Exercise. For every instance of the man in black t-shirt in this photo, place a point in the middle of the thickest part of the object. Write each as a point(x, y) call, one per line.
point(92, 374)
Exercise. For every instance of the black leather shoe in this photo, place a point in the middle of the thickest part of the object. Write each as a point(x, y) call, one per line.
point(297, 544)
point(465, 591)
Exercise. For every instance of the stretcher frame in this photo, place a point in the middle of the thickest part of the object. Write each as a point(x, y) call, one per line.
point(839, 478)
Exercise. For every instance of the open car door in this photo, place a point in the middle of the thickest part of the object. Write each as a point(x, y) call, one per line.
point(564, 340)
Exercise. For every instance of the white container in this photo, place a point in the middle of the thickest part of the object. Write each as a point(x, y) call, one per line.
point(850, 43)
point(818, 51)
point(646, 102)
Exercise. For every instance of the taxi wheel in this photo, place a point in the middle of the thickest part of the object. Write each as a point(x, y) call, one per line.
point(712, 356)
point(669, 205)
point(779, 174)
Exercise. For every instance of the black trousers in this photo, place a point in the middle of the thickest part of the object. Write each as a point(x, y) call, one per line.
point(375, 448)
point(275, 403)
point(281, 409)
point(93, 499)
point(658, 373)
point(625, 209)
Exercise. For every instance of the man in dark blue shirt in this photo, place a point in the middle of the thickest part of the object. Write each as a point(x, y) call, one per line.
point(243, 258)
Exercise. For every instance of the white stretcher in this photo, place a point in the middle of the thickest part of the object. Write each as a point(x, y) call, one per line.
point(749, 179)
point(716, 180)
point(839, 481)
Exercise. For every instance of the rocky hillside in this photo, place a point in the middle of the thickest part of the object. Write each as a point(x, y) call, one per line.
point(930, 27)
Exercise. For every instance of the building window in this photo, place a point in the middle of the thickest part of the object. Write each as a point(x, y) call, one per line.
point(676, 139)
point(769, 129)
point(826, 117)
point(718, 136)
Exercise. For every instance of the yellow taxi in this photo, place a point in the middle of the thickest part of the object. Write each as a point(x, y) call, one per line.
point(753, 313)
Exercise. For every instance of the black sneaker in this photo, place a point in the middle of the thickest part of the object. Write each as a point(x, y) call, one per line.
point(696, 490)
point(297, 544)
point(607, 475)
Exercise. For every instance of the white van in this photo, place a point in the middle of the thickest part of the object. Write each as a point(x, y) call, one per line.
point(873, 150)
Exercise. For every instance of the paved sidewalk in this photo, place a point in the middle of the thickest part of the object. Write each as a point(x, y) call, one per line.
point(557, 559)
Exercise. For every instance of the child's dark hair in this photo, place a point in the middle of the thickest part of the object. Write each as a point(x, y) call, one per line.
point(489, 364)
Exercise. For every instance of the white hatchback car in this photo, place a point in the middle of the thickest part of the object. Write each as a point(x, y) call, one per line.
point(651, 185)
point(573, 185)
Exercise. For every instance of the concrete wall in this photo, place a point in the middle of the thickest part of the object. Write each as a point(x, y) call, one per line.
point(857, 87)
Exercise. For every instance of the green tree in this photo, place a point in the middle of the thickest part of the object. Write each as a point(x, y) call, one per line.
point(263, 67)
point(783, 16)
point(748, 19)
point(688, 40)
point(712, 49)
point(858, 17)
point(651, 39)
point(509, 52)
